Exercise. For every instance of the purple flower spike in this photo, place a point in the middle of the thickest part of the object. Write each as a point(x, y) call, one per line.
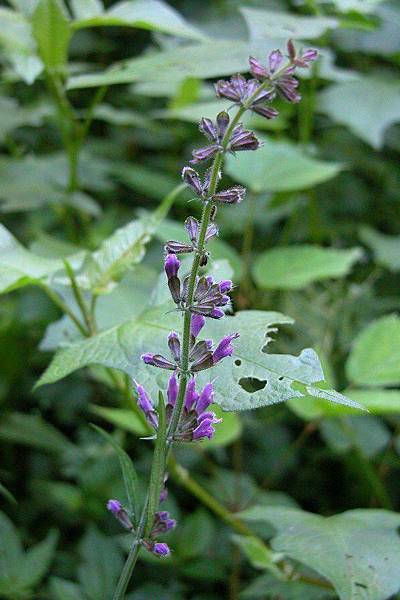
point(197, 324)
point(161, 549)
point(224, 348)
point(206, 398)
point(171, 265)
point(172, 391)
point(191, 395)
point(116, 508)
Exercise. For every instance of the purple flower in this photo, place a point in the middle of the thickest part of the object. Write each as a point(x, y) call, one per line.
point(233, 195)
point(191, 395)
point(174, 247)
point(212, 231)
point(162, 523)
point(192, 179)
point(171, 265)
point(205, 399)
point(224, 348)
point(217, 313)
point(172, 391)
point(225, 286)
point(174, 346)
point(157, 360)
point(192, 228)
point(247, 93)
point(116, 508)
point(242, 140)
point(146, 406)
point(160, 549)
point(196, 325)
point(205, 428)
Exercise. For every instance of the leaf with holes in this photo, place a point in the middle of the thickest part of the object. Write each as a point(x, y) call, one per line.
point(265, 24)
point(250, 379)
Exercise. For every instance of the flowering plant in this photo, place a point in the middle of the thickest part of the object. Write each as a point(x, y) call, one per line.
point(182, 413)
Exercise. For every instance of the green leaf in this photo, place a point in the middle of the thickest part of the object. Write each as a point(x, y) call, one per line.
point(365, 433)
point(195, 535)
point(357, 551)
point(124, 249)
point(377, 401)
point(37, 560)
point(199, 61)
point(386, 248)
point(275, 375)
point(360, 6)
point(265, 24)
point(86, 9)
point(295, 267)
point(32, 430)
point(258, 554)
point(154, 15)
point(369, 119)
point(19, 46)
point(11, 553)
point(100, 566)
point(285, 590)
point(375, 356)
point(128, 473)
point(279, 167)
point(52, 33)
point(226, 432)
point(64, 590)
point(122, 418)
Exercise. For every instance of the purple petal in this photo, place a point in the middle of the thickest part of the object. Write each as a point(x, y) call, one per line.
point(191, 395)
point(222, 123)
point(174, 346)
point(207, 127)
point(275, 60)
point(171, 265)
point(161, 549)
point(191, 178)
point(224, 348)
point(204, 154)
point(196, 325)
point(257, 69)
point(192, 228)
point(172, 390)
point(206, 398)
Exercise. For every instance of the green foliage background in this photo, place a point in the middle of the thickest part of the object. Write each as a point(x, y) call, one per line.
point(99, 104)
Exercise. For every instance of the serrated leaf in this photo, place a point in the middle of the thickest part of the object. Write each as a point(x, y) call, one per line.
point(295, 267)
point(51, 30)
point(386, 248)
point(265, 24)
point(369, 119)
point(154, 15)
point(357, 551)
point(279, 167)
point(375, 356)
point(259, 555)
point(128, 473)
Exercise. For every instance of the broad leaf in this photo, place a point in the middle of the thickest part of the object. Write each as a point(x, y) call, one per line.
point(121, 347)
point(367, 434)
point(154, 15)
point(64, 590)
point(123, 418)
point(369, 119)
point(377, 401)
point(279, 167)
point(386, 248)
point(285, 590)
point(265, 24)
point(295, 267)
point(19, 267)
point(37, 560)
point(375, 356)
point(86, 9)
point(19, 46)
point(357, 551)
point(52, 33)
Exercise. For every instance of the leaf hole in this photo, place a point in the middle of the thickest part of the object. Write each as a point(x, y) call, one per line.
point(238, 362)
point(252, 384)
point(281, 378)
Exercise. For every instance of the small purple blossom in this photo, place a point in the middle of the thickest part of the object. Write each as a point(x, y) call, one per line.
point(146, 406)
point(233, 195)
point(162, 523)
point(197, 324)
point(224, 348)
point(119, 512)
point(172, 390)
point(161, 549)
point(171, 265)
point(247, 93)
point(157, 360)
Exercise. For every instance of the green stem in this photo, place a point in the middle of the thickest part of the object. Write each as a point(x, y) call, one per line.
point(127, 571)
point(86, 313)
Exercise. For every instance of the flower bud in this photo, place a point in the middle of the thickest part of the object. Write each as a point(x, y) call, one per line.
point(116, 508)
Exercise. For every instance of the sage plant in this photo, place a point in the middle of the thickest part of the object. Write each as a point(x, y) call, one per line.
point(183, 413)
